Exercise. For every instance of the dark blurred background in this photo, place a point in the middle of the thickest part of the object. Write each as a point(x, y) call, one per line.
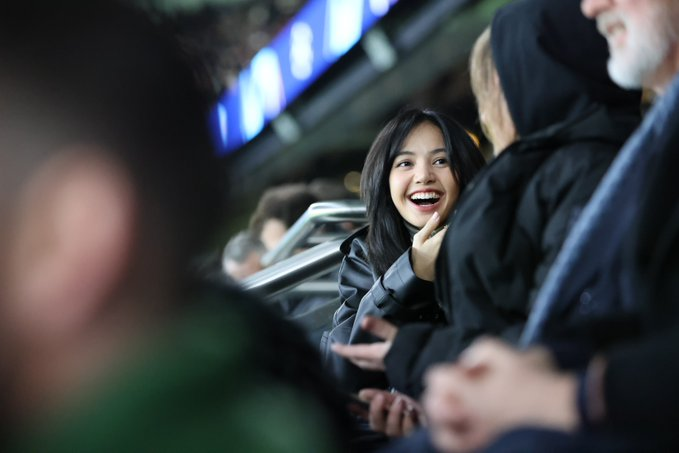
point(414, 55)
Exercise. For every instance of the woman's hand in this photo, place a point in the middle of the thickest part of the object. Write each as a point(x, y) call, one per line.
point(393, 414)
point(426, 248)
point(370, 356)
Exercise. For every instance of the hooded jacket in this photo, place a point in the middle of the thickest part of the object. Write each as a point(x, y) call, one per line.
point(511, 221)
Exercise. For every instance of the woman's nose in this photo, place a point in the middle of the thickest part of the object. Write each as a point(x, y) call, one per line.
point(424, 174)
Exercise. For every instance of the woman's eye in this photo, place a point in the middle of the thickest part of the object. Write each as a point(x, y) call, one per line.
point(441, 161)
point(403, 163)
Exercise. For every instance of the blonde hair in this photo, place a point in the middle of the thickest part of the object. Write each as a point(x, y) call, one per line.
point(496, 120)
point(482, 67)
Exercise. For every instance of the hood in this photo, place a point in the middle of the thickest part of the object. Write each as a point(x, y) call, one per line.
point(551, 62)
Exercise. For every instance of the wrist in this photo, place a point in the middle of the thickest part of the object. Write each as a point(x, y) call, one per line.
point(558, 400)
point(567, 417)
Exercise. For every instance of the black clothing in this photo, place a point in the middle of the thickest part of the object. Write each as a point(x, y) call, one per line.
point(641, 397)
point(398, 296)
point(511, 221)
point(529, 440)
point(641, 392)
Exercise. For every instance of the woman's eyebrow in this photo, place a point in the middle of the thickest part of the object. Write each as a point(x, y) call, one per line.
point(411, 153)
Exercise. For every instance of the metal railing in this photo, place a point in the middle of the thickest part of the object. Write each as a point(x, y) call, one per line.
point(318, 214)
point(299, 268)
point(287, 270)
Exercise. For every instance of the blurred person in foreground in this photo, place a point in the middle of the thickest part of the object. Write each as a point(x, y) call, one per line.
point(556, 122)
point(108, 185)
point(610, 382)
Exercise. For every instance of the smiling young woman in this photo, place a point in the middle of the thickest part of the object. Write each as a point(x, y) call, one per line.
point(414, 172)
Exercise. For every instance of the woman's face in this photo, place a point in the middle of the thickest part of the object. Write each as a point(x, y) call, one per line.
point(421, 181)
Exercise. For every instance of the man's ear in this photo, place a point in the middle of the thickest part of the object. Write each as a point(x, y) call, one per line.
point(74, 239)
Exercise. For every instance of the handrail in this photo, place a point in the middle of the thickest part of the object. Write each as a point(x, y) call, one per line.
point(321, 213)
point(297, 269)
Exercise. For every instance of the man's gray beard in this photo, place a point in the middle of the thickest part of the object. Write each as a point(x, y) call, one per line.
point(645, 55)
point(637, 72)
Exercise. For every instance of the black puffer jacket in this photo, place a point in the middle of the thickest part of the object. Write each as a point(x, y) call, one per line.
point(511, 221)
point(398, 296)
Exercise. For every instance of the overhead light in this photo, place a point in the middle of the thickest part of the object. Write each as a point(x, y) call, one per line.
point(380, 52)
point(287, 128)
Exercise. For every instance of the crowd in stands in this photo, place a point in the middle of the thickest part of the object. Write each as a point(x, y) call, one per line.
point(524, 304)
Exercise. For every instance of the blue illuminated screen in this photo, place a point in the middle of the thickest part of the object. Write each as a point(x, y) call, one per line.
point(315, 38)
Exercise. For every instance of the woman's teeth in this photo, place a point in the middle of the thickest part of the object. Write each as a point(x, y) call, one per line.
point(425, 198)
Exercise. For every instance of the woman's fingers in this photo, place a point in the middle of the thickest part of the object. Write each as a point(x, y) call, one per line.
point(393, 426)
point(425, 251)
point(379, 327)
point(366, 356)
point(437, 239)
point(378, 410)
point(368, 394)
point(428, 228)
point(410, 421)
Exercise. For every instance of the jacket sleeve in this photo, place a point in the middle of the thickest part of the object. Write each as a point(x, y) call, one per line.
point(396, 296)
point(640, 384)
point(420, 345)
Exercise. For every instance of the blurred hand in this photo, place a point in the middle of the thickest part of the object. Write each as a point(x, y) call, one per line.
point(426, 248)
point(495, 388)
point(370, 356)
point(393, 414)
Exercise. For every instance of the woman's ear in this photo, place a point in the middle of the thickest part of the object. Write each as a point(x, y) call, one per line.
point(74, 237)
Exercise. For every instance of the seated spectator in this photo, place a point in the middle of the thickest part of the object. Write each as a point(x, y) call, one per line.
point(556, 121)
point(413, 174)
point(599, 385)
point(108, 185)
point(242, 256)
point(277, 210)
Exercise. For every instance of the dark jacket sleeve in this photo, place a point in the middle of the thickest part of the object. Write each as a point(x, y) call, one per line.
point(420, 345)
point(398, 296)
point(640, 385)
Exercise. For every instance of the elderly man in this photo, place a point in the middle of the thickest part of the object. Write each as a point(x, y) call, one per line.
point(619, 391)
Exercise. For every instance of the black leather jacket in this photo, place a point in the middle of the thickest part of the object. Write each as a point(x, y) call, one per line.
point(398, 296)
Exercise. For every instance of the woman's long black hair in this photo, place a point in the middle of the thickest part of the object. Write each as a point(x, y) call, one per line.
point(388, 237)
